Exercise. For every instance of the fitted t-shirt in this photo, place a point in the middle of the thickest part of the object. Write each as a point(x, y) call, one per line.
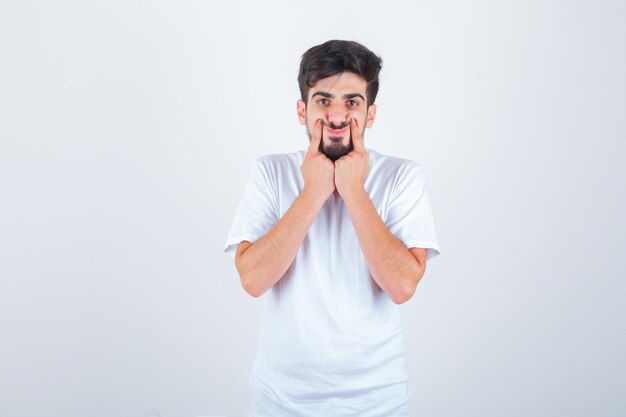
point(331, 341)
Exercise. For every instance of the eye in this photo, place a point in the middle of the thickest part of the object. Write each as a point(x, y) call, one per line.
point(353, 103)
point(322, 101)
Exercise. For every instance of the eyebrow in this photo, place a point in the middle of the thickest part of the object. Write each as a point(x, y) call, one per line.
point(345, 96)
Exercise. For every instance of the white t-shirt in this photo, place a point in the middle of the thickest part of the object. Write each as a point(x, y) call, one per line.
point(331, 341)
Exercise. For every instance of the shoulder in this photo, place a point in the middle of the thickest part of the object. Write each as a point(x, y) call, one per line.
point(275, 168)
point(403, 179)
point(280, 160)
point(388, 165)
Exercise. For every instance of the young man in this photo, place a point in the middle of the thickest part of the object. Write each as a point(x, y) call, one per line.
point(334, 237)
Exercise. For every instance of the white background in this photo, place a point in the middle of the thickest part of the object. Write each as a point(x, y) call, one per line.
point(128, 130)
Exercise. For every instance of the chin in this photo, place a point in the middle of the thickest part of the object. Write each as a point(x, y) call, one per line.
point(336, 150)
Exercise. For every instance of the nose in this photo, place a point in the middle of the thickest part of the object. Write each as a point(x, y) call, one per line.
point(338, 115)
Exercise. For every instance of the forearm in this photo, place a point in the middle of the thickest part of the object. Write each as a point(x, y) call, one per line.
point(263, 263)
point(391, 264)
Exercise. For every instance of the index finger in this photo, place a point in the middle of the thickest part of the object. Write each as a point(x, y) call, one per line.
point(316, 138)
point(357, 138)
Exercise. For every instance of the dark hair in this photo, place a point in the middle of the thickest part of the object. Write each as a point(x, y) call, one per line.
point(337, 56)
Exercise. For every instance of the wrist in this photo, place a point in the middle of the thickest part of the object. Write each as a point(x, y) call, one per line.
point(313, 197)
point(354, 194)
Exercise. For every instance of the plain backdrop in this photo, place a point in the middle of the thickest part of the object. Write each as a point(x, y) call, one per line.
point(128, 130)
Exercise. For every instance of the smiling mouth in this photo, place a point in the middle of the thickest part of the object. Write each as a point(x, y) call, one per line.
point(338, 132)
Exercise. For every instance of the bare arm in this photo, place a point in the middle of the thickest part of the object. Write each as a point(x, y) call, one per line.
point(396, 269)
point(262, 263)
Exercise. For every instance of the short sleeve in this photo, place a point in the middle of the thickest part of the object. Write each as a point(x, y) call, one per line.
point(410, 217)
point(257, 211)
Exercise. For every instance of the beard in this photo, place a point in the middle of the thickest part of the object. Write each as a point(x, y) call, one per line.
point(335, 149)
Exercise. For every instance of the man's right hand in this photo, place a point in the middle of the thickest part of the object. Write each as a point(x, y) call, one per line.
point(262, 263)
point(317, 169)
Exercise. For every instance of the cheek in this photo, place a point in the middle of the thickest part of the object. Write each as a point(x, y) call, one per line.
point(313, 116)
point(359, 116)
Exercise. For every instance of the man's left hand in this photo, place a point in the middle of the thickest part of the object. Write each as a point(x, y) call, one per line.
point(351, 170)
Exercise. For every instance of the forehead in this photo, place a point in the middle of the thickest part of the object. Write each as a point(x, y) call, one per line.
point(343, 83)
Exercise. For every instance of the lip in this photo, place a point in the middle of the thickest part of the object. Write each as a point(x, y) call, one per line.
point(339, 132)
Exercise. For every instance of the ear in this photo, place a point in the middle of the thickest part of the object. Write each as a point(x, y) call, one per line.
point(371, 115)
point(301, 109)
